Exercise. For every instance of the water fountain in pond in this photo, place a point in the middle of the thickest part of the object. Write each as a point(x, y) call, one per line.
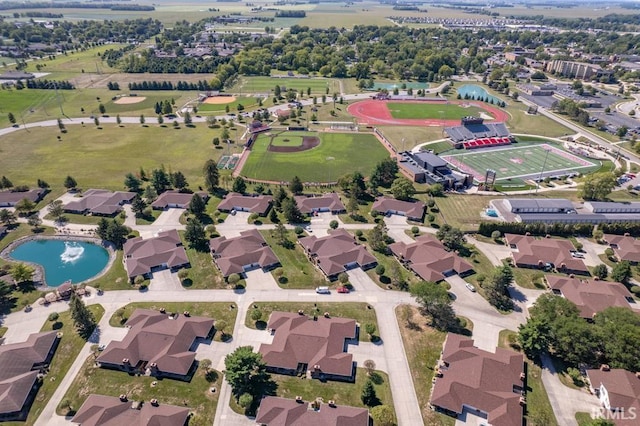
point(72, 252)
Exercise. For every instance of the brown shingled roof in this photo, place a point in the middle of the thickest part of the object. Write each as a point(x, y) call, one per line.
point(531, 251)
point(625, 247)
point(327, 202)
point(259, 204)
point(100, 201)
point(176, 198)
point(428, 258)
point(19, 369)
point(590, 296)
point(142, 255)
point(333, 252)
point(413, 210)
point(232, 255)
point(154, 337)
point(623, 389)
point(299, 339)
point(101, 410)
point(11, 198)
point(276, 411)
point(487, 381)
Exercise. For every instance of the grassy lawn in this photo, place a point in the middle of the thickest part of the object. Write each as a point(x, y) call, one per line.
point(195, 394)
point(388, 260)
point(421, 110)
point(215, 310)
point(584, 419)
point(361, 312)
point(326, 162)
point(107, 154)
point(342, 393)
point(262, 84)
point(148, 220)
point(68, 349)
point(247, 102)
point(412, 135)
point(423, 345)
point(462, 211)
point(116, 277)
point(78, 218)
point(203, 273)
point(300, 273)
point(529, 278)
point(537, 399)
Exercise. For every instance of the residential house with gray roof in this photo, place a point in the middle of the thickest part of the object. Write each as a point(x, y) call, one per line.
point(413, 210)
point(274, 411)
point(176, 199)
point(259, 204)
point(328, 202)
point(11, 198)
point(99, 202)
point(243, 253)
point(164, 251)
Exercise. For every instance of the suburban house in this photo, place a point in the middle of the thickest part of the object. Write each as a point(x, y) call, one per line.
point(240, 254)
point(99, 202)
point(100, 410)
point(625, 247)
point(544, 253)
point(11, 198)
point(337, 253)
point(143, 256)
point(175, 199)
point(413, 210)
point(429, 259)
point(489, 385)
point(158, 344)
point(259, 204)
point(21, 365)
point(619, 393)
point(590, 296)
point(313, 346)
point(329, 202)
point(274, 411)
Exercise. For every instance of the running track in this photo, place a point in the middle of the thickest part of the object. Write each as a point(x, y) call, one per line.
point(375, 112)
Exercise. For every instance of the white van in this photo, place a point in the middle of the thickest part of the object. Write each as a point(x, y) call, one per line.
point(322, 290)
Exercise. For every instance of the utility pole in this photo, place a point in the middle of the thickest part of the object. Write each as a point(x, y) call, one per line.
point(542, 170)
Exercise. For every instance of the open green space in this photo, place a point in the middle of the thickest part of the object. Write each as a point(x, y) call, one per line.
point(264, 84)
point(79, 62)
point(296, 268)
point(331, 159)
point(100, 158)
point(115, 278)
point(247, 102)
point(423, 110)
point(215, 310)
point(290, 138)
point(66, 353)
point(522, 160)
point(195, 394)
point(361, 312)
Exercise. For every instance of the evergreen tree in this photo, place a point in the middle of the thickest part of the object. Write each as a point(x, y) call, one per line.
point(239, 185)
point(291, 211)
point(195, 235)
point(197, 205)
point(83, 319)
point(368, 396)
point(179, 181)
point(211, 175)
point(132, 183)
point(70, 183)
point(295, 186)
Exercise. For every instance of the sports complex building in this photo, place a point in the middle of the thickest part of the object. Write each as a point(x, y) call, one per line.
point(474, 133)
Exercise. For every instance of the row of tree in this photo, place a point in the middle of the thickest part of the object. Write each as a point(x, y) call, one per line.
point(201, 85)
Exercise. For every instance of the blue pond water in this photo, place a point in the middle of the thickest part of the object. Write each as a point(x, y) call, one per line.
point(63, 260)
point(476, 91)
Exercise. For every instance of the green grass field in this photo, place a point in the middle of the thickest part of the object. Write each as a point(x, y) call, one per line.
point(101, 158)
point(290, 139)
point(331, 159)
point(411, 110)
point(267, 84)
point(521, 162)
point(247, 102)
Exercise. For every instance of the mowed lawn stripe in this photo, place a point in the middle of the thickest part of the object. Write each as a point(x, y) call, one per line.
point(337, 155)
point(415, 110)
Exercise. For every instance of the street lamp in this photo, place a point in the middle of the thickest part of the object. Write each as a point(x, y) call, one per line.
point(329, 168)
point(544, 163)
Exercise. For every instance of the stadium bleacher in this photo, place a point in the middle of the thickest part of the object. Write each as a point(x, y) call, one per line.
point(473, 133)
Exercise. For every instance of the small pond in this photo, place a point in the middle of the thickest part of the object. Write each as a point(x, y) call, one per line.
point(63, 260)
point(476, 92)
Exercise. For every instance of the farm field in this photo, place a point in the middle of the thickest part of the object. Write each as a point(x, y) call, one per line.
point(429, 110)
point(331, 159)
point(267, 84)
point(519, 161)
point(101, 158)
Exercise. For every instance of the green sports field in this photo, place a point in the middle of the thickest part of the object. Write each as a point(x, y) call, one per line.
point(249, 103)
point(267, 84)
point(290, 138)
point(415, 110)
point(337, 154)
point(520, 161)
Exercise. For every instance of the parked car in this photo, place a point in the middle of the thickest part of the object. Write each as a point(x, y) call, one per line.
point(470, 287)
point(308, 228)
point(577, 255)
point(342, 289)
point(323, 290)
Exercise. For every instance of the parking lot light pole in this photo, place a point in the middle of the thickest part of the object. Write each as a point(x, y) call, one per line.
point(544, 163)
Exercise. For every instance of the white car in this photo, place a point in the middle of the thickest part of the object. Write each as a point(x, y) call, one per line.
point(323, 290)
point(577, 255)
point(470, 287)
point(308, 228)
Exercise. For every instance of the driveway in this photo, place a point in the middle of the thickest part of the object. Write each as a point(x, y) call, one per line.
point(591, 251)
point(169, 218)
point(165, 280)
point(257, 279)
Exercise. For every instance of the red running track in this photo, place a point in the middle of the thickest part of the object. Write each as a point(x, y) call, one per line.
point(375, 112)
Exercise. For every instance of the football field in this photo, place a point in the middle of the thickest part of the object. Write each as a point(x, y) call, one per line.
point(525, 162)
point(420, 110)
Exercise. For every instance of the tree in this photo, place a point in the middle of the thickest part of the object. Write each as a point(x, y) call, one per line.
point(160, 180)
point(12, 118)
point(160, 119)
point(383, 174)
point(256, 315)
point(295, 186)
point(451, 237)
point(132, 183)
point(61, 125)
point(187, 118)
point(378, 238)
point(435, 302)
point(598, 186)
point(533, 337)
point(621, 272)
point(245, 400)
point(195, 235)
point(34, 221)
point(239, 185)
point(402, 188)
point(21, 272)
point(370, 366)
point(56, 209)
point(111, 230)
point(70, 183)
point(380, 269)
point(382, 415)
point(370, 328)
point(601, 271)
point(291, 211)
point(178, 180)
point(102, 109)
point(622, 131)
point(497, 289)
point(281, 236)
point(246, 372)
point(368, 396)
point(197, 205)
point(25, 206)
point(211, 175)
point(137, 206)
point(5, 183)
point(7, 217)
point(96, 121)
point(83, 319)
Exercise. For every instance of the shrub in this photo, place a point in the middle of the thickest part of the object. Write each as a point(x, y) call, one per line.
point(496, 234)
point(298, 230)
point(53, 316)
point(343, 278)
point(333, 224)
point(431, 218)
point(139, 279)
point(359, 233)
point(415, 230)
point(380, 269)
point(431, 203)
point(233, 279)
point(245, 400)
point(635, 289)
